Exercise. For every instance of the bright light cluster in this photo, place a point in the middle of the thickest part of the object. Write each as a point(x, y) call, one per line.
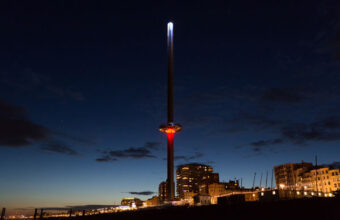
point(170, 131)
point(170, 26)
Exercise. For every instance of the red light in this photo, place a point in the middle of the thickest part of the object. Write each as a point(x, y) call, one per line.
point(170, 131)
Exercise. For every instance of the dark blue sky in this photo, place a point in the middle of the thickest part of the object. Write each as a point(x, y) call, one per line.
point(83, 91)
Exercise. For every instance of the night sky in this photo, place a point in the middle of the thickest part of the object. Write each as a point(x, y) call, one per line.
point(83, 92)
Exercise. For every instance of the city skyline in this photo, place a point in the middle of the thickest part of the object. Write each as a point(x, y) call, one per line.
point(83, 90)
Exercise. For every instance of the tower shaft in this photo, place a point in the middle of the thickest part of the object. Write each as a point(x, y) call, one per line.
point(170, 136)
point(170, 128)
point(170, 179)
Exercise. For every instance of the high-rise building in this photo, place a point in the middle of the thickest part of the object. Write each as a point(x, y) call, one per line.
point(194, 178)
point(286, 175)
point(162, 191)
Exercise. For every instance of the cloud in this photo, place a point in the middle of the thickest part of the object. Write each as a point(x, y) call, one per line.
point(282, 95)
point(142, 193)
point(259, 146)
point(244, 119)
point(264, 143)
point(153, 145)
point(58, 147)
point(16, 129)
point(188, 158)
point(217, 112)
point(86, 141)
point(131, 152)
point(106, 159)
point(327, 129)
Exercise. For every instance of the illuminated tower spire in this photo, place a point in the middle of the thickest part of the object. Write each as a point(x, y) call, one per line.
point(170, 128)
point(170, 72)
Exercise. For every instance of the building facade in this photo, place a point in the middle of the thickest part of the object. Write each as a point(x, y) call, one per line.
point(305, 177)
point(194, 179)
point(321, 179)
point(162, 191)
point(215, 190)
point(154, 201)
point(286, 175)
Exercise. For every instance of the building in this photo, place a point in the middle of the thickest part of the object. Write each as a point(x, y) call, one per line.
point(188, 195)
point(232, 185)
point(216, 190)
point(162, 191)
point(131, 202)
point(286, 175)
point(154, 201)
point(305, 177)
point(321, 179)
point(202, 199)
point(194, 178)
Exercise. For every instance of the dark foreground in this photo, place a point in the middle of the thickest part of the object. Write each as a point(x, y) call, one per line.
point(327, 209)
